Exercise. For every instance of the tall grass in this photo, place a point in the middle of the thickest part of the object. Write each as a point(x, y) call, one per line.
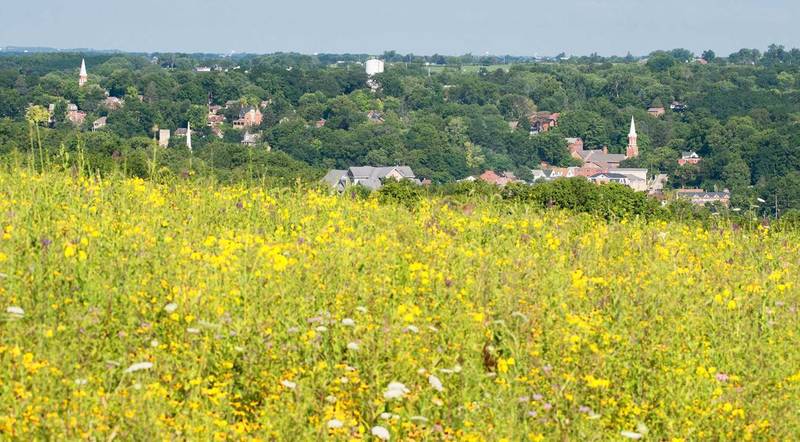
point(143, 310)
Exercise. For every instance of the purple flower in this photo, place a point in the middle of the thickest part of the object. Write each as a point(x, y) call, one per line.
point(722, 377)
point(537, 397)
point(547, 368)
point(45, 242)
point(584, 409)
point(547, 406)
point(532, 413)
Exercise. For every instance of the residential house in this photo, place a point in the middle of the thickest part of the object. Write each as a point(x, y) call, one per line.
point(636, 179)
point(181, 132)
point(600, 158)
point(500, 179)
point(113, 103)
point(231, 103)
point(202, 69)
point(543, 121)
point(163, 137)
point(689, 158)
point(656, 111)
point(701, 198)
point(368, 176)
point(251, 139)
point(215, 120)
point(677, 106)
point(248, 117)
point(99, 123)
point(574, 145)
point(213, 109)
point(74, 115)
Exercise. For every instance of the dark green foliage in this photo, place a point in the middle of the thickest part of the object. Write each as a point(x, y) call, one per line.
point(402, 192)
point(610, 201)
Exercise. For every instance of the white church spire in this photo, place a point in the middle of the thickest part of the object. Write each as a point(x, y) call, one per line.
point(633, 146)
point(189, 135)
point(83, 77)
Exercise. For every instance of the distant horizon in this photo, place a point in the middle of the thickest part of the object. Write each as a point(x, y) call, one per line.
point(20, 49)
point(510, 27)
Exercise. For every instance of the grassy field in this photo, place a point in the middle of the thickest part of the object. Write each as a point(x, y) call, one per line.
point(190, 311)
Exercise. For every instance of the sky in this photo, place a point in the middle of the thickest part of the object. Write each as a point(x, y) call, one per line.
point(449, 27)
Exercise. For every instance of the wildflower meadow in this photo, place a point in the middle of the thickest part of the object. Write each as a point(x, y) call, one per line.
point(188, 310)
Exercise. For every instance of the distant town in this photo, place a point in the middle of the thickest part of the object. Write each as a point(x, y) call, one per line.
point(358, 120)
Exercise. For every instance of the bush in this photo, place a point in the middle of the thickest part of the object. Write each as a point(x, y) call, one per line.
point(403, 192)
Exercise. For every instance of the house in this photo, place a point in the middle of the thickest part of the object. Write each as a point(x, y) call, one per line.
point(181, 132)
point(217, 131)
point(636, 179)
point(231, 103)
point(543, 121)
point(202, 69)
point(689, 158)
point(574, 145)
point(99, 123)
point(600, 158)
point(75, 116)
point(500, 179)
point(251, 139)
point(656, 111)
point(677, 106)
point(248, 117)
point(368, 176)
point(215, 120)
point(213, 109)
point(163, 137)
point(113, 103)
point(700, 197)
point(320, 123)
point(609, 177)
point(375, 117)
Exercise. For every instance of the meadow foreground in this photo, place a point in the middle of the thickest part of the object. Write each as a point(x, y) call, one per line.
point(143, 311)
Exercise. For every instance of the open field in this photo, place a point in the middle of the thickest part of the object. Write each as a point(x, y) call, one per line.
point(140, 311)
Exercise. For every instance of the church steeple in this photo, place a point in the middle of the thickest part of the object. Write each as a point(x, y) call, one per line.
point(189, 135)
point(633, 147)
point(83, 77)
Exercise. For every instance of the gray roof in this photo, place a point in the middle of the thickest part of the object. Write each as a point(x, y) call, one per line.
point(367, 176)
point(597, 156)
point(379, 172)
point(611, 175)
point(333, 177)
point(703, 194)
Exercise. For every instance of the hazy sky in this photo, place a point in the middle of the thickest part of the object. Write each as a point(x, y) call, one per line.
point(518, 27)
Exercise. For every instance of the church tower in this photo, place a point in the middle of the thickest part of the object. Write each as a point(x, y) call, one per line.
point(189, 135)
point(83, 77)
point(633, 148)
